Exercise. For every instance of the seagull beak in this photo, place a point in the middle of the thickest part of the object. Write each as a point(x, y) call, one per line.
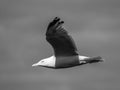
point(34, 65)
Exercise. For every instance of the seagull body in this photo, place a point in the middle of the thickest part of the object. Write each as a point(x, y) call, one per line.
point(65, 51)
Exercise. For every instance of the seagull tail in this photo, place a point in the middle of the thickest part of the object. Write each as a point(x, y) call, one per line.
point(94, 59)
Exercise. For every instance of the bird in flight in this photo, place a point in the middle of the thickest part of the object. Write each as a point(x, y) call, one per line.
point(65, 51)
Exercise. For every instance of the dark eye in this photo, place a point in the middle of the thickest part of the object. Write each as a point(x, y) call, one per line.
point(42, 61)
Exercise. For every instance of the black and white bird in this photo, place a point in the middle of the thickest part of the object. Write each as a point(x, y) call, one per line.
point(65, 51)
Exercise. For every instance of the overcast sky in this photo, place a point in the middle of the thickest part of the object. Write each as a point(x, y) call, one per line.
point(94, 25)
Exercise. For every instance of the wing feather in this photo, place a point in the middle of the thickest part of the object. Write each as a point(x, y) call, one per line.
point(61, 41)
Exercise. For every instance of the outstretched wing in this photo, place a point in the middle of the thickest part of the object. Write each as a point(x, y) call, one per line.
point(58, 37)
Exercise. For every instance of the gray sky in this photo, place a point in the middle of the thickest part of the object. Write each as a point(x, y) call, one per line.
point(94, 25)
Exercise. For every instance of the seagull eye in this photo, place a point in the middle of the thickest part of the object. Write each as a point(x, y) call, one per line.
point(42, 61)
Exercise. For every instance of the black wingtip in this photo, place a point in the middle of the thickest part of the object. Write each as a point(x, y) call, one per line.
point(56, 19)
point(62, 22)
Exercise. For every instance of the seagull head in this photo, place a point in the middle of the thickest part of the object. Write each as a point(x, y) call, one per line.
point(48, 62)
point(42, 62)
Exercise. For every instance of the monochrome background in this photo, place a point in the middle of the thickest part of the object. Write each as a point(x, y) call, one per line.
point(94, 25)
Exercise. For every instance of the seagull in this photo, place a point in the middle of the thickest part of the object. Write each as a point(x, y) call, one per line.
point(65, 51)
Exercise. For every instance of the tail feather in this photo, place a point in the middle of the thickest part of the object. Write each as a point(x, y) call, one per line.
point(94, 60)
